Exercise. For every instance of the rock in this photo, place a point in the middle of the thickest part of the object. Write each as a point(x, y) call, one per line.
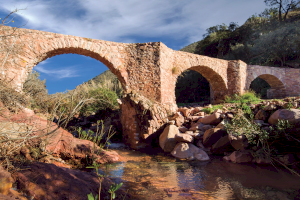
point(189, 151)
point(184, 138)
point(179, 119)
point(193, 118)
point(241, 157)
point(261, 115)
point(230, 115)
point(167, 139)
point(185, 111)
point(47, 182)
point(61, 143)
point(226, 158)
point(183, 129)
point(292, 116)
point(211, 136)
point(197, 135)
point(200, 144)
point(6, 181)
point(206, 127)
point(172, 122)
point(196, 126)
point(222, 145)
point(201, 114)
point(270, 107)
point(212, 119)
point(238, 142)
point(221, 125)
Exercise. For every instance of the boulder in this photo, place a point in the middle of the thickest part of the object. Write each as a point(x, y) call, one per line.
point(182, 137)
point(179, 119)
point(206, 127)
point(212, 119)
point(199, 143)
point(183, 129)
point(222, 145)
point(196, 126)
point(194, 118)
point(241, 157)
point(292, 116)
point(238, 142)
point(167, 139)
point(211, 136)
point(189, 151)
point(47, 182)
point(197, 135)
point(185, 111)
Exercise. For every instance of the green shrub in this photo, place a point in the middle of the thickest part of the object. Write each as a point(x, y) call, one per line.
point(248, 97)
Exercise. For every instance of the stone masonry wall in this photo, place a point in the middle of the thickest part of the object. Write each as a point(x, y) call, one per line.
point(148, 73)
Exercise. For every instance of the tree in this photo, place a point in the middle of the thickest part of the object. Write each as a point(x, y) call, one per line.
point(284, 6)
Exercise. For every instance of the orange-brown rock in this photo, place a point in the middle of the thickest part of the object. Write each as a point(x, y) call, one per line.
point(211, 136)
point(47, 182)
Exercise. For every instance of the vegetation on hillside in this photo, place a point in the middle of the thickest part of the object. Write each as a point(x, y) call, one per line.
point(271, 38)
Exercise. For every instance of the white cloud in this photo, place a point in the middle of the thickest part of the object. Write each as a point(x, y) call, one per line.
point(58, 74)
point(126, 21)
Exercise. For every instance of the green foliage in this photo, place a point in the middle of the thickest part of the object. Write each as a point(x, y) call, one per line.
point(36, 89)
point(91, 196)
point(241, 125)
point(209, 110)
point(12, 99)
point(103, 98)
point(190, 48)
point(97, 137)
point(113, 188)
point(108, 80)
point(248, 97)
point(278, 46)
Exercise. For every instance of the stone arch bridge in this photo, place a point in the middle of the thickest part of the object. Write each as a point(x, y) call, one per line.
point(147, 72)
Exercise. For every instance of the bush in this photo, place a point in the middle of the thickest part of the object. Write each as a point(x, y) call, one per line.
point(247, 97)
point(12, 99)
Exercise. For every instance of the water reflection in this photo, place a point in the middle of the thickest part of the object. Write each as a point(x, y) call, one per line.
point(162, 177)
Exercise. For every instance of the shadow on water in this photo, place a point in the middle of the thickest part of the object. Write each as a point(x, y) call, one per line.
point(155, 175)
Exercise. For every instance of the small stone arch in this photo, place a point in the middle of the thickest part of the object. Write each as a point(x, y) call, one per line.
point(277, 90)
point(218, 86)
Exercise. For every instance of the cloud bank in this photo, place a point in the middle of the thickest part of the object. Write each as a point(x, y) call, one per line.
point(181, 22)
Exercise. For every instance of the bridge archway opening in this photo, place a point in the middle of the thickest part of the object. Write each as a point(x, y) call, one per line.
point(192, 87)
point(89, 57)
point(66, 71)
point(260, 87)
point(201, 85)
point(271, 86)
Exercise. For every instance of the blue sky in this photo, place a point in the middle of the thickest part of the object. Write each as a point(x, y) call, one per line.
point(176, 23)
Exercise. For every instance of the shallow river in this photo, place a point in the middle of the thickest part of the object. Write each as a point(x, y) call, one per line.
point(163, 177)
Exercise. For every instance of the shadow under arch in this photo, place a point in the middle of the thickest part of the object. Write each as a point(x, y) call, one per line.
point(277, 87)
point(84, 52)
point(218, 86)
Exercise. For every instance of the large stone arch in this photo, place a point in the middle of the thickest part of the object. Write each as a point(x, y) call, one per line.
point(35, 46)
point(80, 51)
point(274, 77)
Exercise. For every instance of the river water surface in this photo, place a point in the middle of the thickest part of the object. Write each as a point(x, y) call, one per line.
point(161, 176)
